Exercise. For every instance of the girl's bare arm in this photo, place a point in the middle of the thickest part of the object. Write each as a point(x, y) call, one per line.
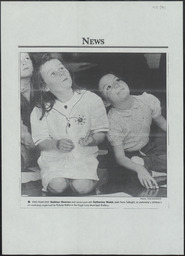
point(161, 122)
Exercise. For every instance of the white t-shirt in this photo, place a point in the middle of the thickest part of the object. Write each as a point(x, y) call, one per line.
point(131, 128)
point(84, 111)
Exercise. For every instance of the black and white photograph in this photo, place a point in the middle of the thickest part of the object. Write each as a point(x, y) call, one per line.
point(93, 124)
point(92, 127)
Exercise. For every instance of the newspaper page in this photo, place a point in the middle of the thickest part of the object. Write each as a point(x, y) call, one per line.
point(92, 116)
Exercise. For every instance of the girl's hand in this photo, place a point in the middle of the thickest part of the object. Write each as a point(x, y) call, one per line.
point(27, 141)
point(146, 179)
point(65, 145)
point(26, 138)
point(88, 140)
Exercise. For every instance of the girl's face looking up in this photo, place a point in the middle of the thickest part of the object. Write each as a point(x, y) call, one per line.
point(56, 76)
point(26, 65)
point(113, 89)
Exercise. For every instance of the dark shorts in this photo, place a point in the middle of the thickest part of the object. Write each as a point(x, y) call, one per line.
point(154, 156)
point(155, 159)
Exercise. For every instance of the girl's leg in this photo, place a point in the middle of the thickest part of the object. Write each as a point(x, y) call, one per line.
point(156, 163)
point(83, 186)
point(156, 158)
point(57, 185)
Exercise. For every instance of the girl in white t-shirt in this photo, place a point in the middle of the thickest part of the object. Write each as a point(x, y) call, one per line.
point(67, 124)
point(130, 119)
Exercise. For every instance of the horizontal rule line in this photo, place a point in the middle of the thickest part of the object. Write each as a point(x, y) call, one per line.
point(39, 46)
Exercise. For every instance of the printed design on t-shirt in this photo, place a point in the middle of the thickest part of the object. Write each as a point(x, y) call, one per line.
point(80, 120)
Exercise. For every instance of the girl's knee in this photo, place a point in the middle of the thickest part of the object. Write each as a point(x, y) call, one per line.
point(57, 185)
point(83, 186)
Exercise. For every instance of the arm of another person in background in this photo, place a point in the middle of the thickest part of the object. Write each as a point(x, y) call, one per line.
point(144, 177)
point(26, 137)
point(161, 122)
